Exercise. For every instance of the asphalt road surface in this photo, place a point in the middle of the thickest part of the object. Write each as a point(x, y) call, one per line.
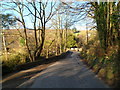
point(67, 73)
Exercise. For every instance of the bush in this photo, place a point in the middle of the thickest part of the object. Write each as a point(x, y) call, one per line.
point(71, 42)
point(13, 60)
point(104, 64)
point(22, 41)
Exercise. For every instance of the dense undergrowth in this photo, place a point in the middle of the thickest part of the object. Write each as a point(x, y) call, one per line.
point(12, 61)
point(20, 61)
point(105, 65)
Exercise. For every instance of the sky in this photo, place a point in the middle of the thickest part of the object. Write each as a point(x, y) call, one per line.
point(81, 25)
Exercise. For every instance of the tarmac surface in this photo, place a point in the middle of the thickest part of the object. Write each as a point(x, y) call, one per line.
point(67, 73)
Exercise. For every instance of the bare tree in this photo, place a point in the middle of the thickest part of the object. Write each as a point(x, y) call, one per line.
point(40, 15)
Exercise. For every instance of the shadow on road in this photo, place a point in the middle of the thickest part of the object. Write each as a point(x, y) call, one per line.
point(27, 71)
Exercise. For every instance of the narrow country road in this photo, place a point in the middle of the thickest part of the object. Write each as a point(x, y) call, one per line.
point(67, 73)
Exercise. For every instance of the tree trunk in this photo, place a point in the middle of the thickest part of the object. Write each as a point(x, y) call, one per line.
point(47, 53)
point(4, 44)
point(35, 31)
point(56, 53)
point(86, 34)
point(56, 45)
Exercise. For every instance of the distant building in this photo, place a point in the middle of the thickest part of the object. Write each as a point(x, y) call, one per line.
point(76, 33)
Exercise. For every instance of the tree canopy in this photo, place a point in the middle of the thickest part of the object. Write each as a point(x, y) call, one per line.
point(7, 20)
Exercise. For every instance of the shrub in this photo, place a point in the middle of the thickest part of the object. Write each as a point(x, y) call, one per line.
point(22, 41)
point(13, 60)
